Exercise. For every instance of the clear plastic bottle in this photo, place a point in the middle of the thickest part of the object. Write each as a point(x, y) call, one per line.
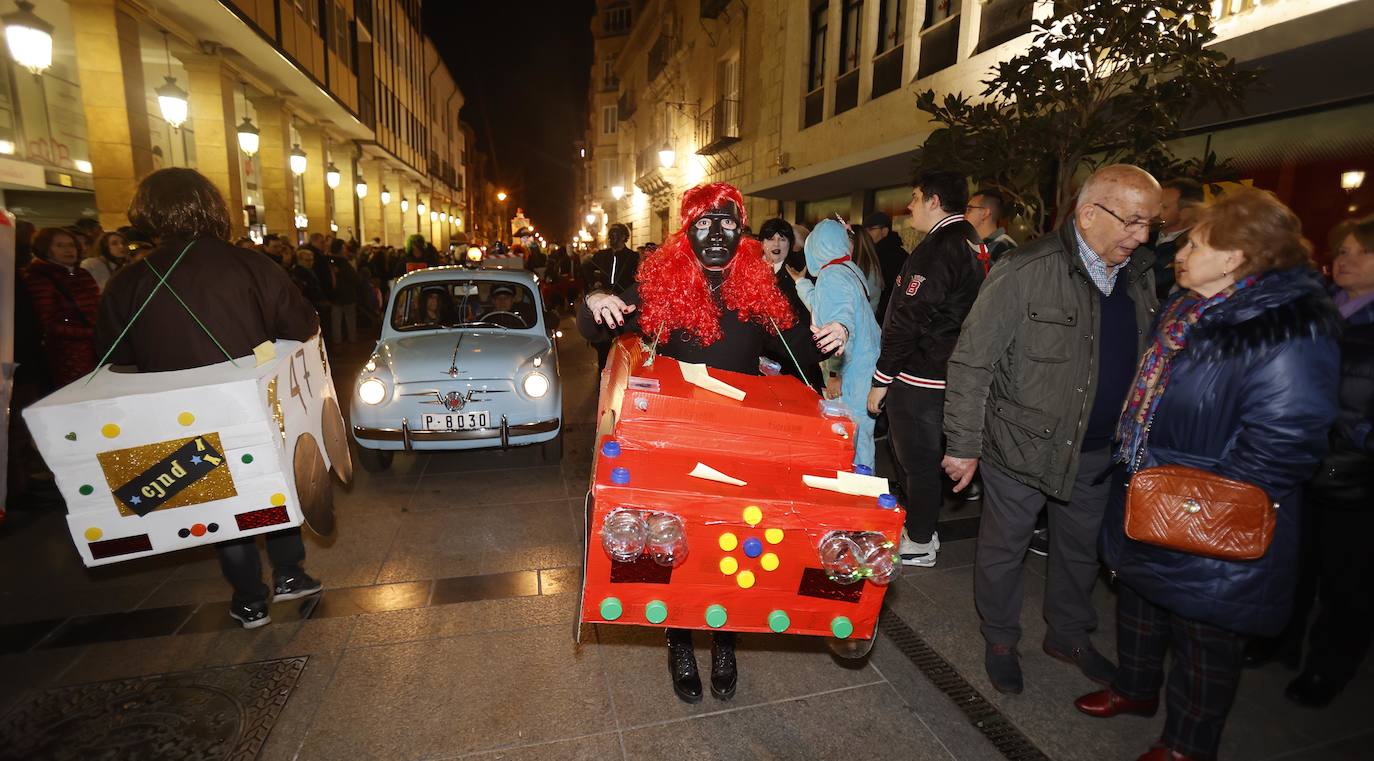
point(624, 534)
point(667, 539)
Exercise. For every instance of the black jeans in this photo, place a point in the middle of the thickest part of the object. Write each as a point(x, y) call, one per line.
point(1203, 675)
point(1337, 578)
point(238, 559)
point(916, 432)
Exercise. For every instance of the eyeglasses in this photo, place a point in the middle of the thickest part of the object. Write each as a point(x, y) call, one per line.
point(1135, 225)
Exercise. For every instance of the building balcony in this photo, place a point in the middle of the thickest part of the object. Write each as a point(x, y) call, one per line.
point(625, 106)
point(718, 127)
point(610, 84)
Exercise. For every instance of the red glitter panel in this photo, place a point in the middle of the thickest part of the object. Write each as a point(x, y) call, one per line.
point(122, 546)
point(268, 516)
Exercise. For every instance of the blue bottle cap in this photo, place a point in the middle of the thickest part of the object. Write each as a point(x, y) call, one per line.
point(863, 470)
point(620, 476)
point(611, 448)
point(887, 501)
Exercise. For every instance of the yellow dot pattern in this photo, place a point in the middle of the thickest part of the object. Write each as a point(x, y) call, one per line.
point(728, 565)
point(773, 535)
point(186, 418)
point(752, 515)
point(109, 430)
point(278, 499)
point(728, 541)
point(745, 579)
point(769, 561)
point(93, 534)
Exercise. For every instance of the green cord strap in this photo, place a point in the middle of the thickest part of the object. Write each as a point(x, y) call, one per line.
point(800, 373)
point(162, 280)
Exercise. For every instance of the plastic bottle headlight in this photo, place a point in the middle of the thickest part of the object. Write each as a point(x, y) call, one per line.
point(372, 391)
point(536, 385)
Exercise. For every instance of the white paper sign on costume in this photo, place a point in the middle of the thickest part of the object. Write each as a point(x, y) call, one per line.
point(155, 462)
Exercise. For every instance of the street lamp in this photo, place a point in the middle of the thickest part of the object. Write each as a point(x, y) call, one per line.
point(248, 136)
point(361, 188)
point(171, 99)
point(591, 219)
point(29, 38)
point(433, 216)
point(298, 160)
point(332, 176)
point(386, 196)
point(405, 204)
point(420, 208)
point(617, 192)
point(501, 196)
point(1352, 180)
point(667, 156)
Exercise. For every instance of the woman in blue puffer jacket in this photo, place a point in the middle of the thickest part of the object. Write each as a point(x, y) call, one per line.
point(1240, 381)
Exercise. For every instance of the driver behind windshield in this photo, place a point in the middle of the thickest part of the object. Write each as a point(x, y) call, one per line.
point(503, 302)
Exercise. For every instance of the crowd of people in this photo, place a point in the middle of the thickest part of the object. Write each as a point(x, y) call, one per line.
point(1152, 328)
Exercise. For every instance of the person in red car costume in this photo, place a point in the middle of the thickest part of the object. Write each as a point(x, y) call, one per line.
point(707, 296)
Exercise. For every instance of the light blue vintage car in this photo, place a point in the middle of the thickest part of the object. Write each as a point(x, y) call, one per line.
point(465, 361)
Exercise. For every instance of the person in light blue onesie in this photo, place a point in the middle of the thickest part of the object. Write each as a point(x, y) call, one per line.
point(840, 294)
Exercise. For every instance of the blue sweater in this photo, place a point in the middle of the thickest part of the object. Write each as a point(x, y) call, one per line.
point(1116, 364)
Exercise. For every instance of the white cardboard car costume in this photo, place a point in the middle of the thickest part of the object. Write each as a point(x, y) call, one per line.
point(156, 462)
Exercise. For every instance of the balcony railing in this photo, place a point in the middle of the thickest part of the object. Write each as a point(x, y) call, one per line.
point(718, 127)
point(815, 107)
point(847, 91)
point(625, 106)
point(659, 54)
point(887, 71)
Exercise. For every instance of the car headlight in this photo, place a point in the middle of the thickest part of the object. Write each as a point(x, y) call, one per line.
point(372, 391)
point(536, 385)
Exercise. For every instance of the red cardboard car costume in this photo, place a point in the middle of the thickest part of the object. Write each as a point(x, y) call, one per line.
point(721, 498)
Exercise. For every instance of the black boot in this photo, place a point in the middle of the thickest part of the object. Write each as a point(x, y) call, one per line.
point(1261, 651)
point(723, 672)
point(682, 666)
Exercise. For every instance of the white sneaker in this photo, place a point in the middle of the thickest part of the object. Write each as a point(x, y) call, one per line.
point(918, 554)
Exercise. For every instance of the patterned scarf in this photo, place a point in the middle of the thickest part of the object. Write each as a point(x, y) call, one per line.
point(1171, 336)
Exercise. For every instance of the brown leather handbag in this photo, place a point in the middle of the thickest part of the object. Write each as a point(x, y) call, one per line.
point(1194, 511)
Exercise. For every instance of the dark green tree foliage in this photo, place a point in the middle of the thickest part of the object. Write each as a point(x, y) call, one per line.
point(1106, 81)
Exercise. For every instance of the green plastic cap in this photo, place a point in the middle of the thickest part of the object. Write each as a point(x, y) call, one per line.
point(778, 621)
point(656, 611)
point(611, 608)
point(841, 627)
point(715, 616)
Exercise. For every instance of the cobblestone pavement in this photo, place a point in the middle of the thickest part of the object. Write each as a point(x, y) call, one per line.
point(446, 632)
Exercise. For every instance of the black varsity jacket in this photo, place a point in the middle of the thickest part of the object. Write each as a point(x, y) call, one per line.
point(932, 296)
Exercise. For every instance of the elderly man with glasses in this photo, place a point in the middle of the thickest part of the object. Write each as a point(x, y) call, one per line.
point(1034, 392)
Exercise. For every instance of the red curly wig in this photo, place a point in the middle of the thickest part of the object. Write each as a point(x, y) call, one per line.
point(672, 287)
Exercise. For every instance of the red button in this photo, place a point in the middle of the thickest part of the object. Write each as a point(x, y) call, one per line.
point(198, 529)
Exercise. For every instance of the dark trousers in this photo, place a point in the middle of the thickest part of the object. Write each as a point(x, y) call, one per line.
point(1203, 675)
point(1337, 578)
point(603, 350)
point(915, 431)
point(238, 559)
point(1009, 512)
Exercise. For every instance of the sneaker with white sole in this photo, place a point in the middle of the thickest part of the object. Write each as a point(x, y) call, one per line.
point(295, 586)
point(1040, 542)
point(918, 553)
point(251, 614)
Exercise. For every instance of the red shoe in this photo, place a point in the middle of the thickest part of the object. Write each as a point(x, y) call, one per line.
point(1161, 753)
point(1105, 704)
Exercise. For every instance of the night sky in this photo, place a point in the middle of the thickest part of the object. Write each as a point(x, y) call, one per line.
point(524, 69)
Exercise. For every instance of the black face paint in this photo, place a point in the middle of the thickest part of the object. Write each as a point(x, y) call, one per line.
point(715, 236)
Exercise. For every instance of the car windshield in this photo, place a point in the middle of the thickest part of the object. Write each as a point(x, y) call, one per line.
point(499, 304)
